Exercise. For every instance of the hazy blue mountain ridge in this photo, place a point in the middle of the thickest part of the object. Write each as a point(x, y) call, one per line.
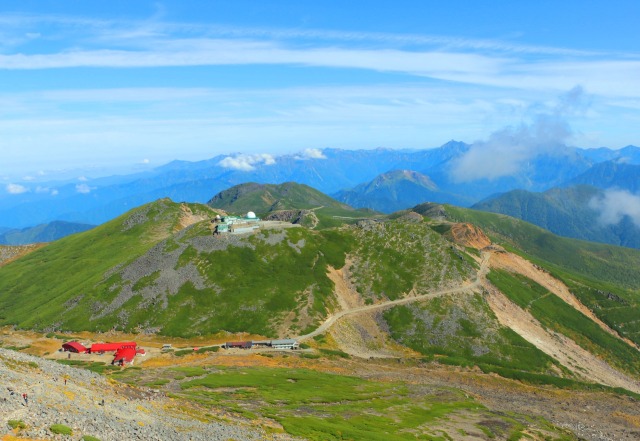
point(566, 212)
point(95, 201)
point(611, 174)
point(41, 233)
point(396, 190)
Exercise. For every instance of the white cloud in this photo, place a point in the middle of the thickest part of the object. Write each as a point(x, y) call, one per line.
point(310, 154)
point(615, 204)
point(508, 149)
point(82, 178)
point(83, 188)
point(247, 162)
point(16, 189)
point(51, 191)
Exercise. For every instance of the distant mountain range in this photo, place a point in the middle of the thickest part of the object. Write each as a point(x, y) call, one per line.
point(41, 233)
point(597, 205)
point(381, 179)
point(397, 190)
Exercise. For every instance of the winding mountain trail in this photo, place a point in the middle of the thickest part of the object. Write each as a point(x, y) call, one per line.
point(333, 318)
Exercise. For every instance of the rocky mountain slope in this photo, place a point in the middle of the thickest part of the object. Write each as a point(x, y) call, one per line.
point(91, 405)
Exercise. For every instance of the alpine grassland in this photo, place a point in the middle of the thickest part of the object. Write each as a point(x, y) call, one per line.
point(617, 306)
point(403, 255)
point(603, 277)
point(266, 199)
point(324, 406)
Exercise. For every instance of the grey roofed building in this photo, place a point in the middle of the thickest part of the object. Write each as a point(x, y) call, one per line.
point(287, 343)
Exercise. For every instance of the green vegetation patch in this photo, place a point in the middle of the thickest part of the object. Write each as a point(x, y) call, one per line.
point(67, 280)
point(321, 406)
point(462, 330)
point(61, 429)
point(247, 287)
point(395, 257)
point(190, 371)
point(94, 366)
point(618, 307)
point(16, 424)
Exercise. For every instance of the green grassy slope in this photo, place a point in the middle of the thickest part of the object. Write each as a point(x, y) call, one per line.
point(140, 272)
point(598, 262)
point(42, 288)
point(395, 257)
point(262, 198)
point(323, 406)
point(554, 313)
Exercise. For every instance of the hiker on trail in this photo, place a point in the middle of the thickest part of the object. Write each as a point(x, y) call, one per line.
point(65, 381)
point(26, 398)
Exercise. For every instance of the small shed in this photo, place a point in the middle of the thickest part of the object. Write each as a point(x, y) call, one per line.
point(74, 346)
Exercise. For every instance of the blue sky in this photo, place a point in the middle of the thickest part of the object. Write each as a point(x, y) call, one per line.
point(108, 86)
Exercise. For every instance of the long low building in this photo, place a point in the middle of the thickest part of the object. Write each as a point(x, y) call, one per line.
point(98, 348)
point(287, 343)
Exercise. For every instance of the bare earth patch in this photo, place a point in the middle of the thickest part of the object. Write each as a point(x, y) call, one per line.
point(584, 364)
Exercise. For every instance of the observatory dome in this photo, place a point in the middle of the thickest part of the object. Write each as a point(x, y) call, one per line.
point(251, 215)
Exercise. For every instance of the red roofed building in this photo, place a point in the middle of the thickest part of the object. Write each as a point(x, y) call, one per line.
point(124, 355)
point(112, 347)
point(74, 346)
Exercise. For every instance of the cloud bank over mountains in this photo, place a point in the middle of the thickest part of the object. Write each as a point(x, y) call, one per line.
point(247, 162)
point(509, 149)
point(615, 204)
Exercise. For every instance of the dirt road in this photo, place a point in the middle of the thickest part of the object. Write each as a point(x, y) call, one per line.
point(333, 318)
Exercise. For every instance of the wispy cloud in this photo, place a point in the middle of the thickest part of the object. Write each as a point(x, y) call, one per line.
point(152, 43)
point(247, 162)
point(16, 189)
point(614, 205)
point(83, 188)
